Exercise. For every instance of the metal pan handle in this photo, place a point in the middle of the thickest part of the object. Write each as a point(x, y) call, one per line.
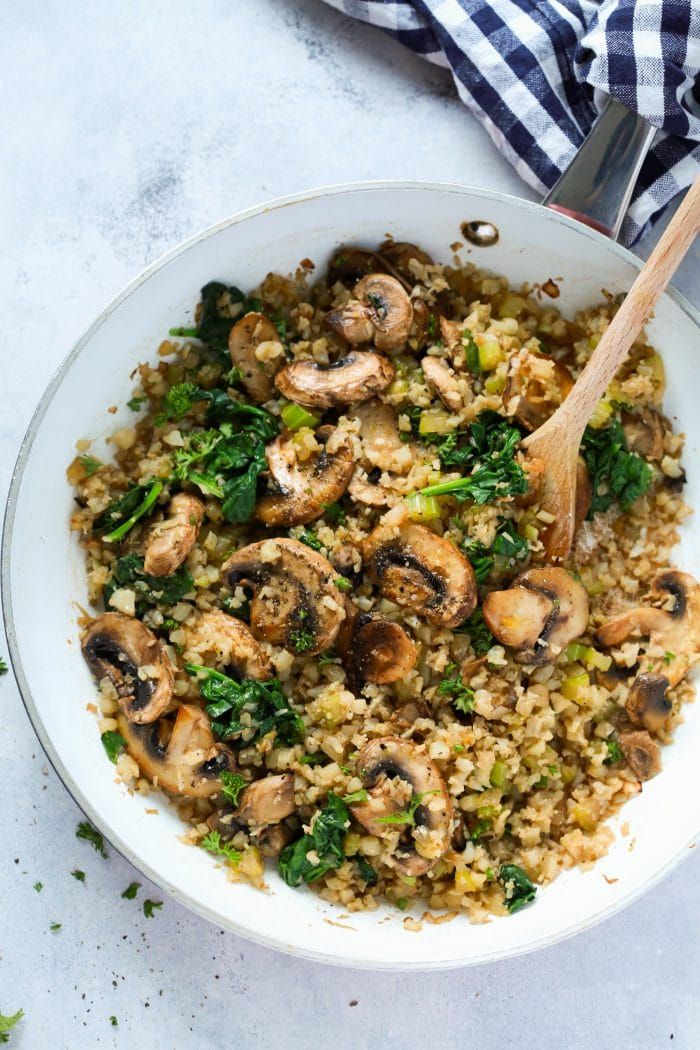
point(597, 186)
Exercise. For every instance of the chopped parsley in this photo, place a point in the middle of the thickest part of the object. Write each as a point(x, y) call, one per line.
point(311, 540)
point(131, 890)
point(232, 785)
point(519, 889)
point(86, 831)
point(335, 513)
point(356, 796)
point(321, 849)
point(246, 711)
point(149, 907)
point(343, 583)
point(113, 1021)
point(89, 464)
point(366, 872)
point(617, 475)
point(3, 666)
point(402, 903)
point(113, 743)
point(452, 685)
point(481, 828)
point(471, 352)
point(668, 657)
point(135, 403)
point(212, 844)
point(38, 886)
point(55, 926)
point(614, 753)
point(406, 816)
point(301, 638)
point(7, 1023)
point(479, 634)
point(78, 875)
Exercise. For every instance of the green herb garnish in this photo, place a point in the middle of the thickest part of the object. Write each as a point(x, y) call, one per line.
point(408, 815)
point(452, 685)
point(149, 907)
point(131, 890)
point(325, 840)
point(519, 889)
point(232, 785)
point(212, 844)
point(114, 744)
point(86, 831)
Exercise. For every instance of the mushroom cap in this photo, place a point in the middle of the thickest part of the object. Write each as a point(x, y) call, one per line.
point(388, 757)
point(517, 616)
point(230, 643)
point(267, 801)
point(569, 617)
point(532, 397)
point(256, 375)
point(647, 703)
point(389, 309)
point(305, 489)
point(171, 540)
point(644, 433)
point(374, 650)
point(294, 591)
point(641, 754)
point(416, 568)
point(123, 649)
point(443, 382)
point(356, 377)
point(400, 253)
point(179, 755)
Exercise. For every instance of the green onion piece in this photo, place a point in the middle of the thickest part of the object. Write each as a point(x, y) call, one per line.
point(294, 417)
point(575, 651)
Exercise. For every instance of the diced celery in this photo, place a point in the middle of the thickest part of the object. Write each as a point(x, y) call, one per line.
point(583, 817)
point(573, 687)
point(434, 421)
point(512, 305)
point(601, 414)
point(488, 812)
point(593, 341)
point(593, 658)
point(530, 533)
point(295, 416)
point(490, 354)
point(498, 774)
point(423, 508)
point(494, 384)
point(575, 651)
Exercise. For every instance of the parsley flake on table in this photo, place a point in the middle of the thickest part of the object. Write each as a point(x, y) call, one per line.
point(7, 1023)
point(3, 670)
point(86, 831)
point(78, 875)
point(131, 891)
point(38, 886)
point(55, 926)
point(150, 906)
point(113, 1021)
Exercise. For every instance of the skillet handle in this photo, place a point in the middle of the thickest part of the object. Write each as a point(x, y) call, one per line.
point(597, 186)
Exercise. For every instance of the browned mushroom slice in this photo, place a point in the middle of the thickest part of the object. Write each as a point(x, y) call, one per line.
point(135, 661)
point(272, 838)
point(535, 387)
point(379, 434)
point(229, 643)
point(179, 753)
point(375, 650)
point(379, 312)
point(267, 801)
point(641, 754)
point(170, 541)
point(400, 254)
point(349, 264)
point(675, 631)
point(255, 348)
point(644, 433)
point(356, 377)
point(554, 589)
point(410, 712)
point(517, 617)
point(423, 843)
point(295, 601)
point(443, 382)
point(422, 571)
point(304, 490)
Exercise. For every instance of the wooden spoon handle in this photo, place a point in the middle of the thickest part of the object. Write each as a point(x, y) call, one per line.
point(633, 313)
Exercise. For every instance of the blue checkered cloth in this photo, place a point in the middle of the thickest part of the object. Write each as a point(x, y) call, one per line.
point(536, 74)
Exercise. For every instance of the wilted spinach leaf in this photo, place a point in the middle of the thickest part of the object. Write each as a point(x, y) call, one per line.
point(325, 839)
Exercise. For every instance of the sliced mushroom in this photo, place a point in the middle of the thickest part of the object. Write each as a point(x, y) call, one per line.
point(272, 838)
point(641, 754)
point(179, 753)
point(380, 438)
point(295, 601)
point(356, 377)
point(349, 264)
point(540, 613)
point(364, 489)
point(267, 801)
point(230, 643)
point(443, 382)
point(408, 713)
point(675, 631)
point(422, 844)
point(400, 254)
point(170, 541)
point(644, 433)
point(125, 651)
point(252, 336)
point(416, 568)
point(535, 387)
point(303, 490)
point(348, 561)
point(374, 650)
point(379, 312)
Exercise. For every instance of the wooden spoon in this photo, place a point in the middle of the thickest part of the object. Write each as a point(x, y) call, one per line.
point(558, 440)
